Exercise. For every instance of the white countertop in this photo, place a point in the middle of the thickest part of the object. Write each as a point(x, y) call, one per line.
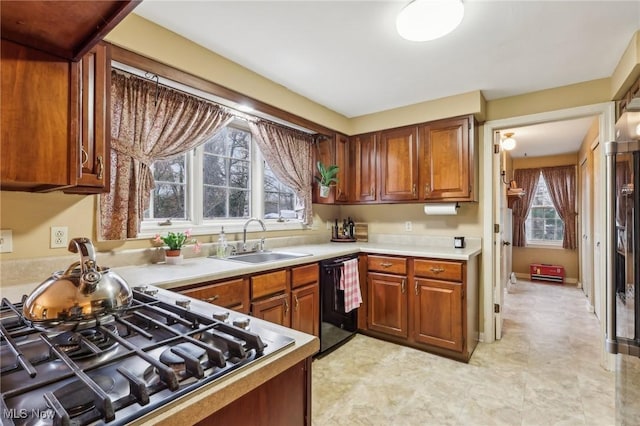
point(200, 269)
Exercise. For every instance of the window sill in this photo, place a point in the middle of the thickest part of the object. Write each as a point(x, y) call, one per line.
point(544, 246)
point(230, 227)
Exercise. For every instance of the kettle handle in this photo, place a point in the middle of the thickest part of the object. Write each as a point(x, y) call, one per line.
point(90, 275)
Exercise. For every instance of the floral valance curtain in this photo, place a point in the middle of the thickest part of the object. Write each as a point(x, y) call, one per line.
point(289, 154)
point(561, 182)
point(148, 123)
point(527, 180)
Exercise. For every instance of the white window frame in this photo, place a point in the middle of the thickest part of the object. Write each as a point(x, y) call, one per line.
point(542, 243)
point(197, 224)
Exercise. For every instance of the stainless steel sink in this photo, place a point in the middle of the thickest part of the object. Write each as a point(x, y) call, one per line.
point(265, 256)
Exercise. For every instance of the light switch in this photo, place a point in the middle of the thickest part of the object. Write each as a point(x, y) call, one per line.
point(6, 241)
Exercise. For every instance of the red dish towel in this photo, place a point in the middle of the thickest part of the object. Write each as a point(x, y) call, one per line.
point(350, 283)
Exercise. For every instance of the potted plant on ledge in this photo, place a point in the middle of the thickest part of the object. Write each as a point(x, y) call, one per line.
point(327, 177)
point(174, 242)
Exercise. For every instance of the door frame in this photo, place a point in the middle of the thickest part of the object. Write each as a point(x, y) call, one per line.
point(606, 116)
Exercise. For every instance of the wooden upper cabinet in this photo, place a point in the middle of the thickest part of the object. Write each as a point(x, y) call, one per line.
point(94, 122)
point(342, 161)
point(66, 29)
point(330, 151)
point(325, 152)
point(363, 154)
point(398, 160)
point(39, 104)
point(446, 154)
point(55, 120)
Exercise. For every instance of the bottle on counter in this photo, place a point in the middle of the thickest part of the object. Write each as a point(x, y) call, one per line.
point(221, 249)
point(352, 228)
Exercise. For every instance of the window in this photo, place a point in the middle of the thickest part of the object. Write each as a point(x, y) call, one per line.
point(279, 200)
point(543, 224)
point(227, 175)
point(215, 184)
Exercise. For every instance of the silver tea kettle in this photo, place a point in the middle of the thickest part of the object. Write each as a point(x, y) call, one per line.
point(78, 296)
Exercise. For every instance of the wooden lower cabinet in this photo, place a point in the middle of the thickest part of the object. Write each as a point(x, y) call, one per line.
point(431, 304)
point(269, 404)
point(233, 294)
point(438, 313)
point(387, 304)
point(305, 315)
point(273, 309)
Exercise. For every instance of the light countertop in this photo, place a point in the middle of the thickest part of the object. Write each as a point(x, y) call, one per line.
point(201, 269)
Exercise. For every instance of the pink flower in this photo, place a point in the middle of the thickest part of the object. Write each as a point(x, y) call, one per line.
point(197, 247)
point(187, 233)
point(157, 239)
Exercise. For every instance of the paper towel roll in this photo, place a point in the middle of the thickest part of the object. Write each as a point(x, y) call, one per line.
point(442, 209)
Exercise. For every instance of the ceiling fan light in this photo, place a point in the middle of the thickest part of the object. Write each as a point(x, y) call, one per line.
point(424, 20)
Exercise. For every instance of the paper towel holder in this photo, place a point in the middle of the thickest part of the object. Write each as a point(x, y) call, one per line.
point(451, 208)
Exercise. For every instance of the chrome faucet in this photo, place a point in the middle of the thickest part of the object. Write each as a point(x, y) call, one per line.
point(244, 233)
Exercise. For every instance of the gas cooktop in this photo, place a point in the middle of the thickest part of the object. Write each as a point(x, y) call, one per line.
point(126, 365)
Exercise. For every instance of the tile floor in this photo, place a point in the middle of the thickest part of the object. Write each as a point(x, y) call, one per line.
point(545, 371)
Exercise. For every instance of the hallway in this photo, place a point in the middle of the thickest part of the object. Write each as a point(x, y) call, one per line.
point(544, 371)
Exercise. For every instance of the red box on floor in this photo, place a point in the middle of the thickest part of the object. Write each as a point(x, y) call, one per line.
point(545, 272)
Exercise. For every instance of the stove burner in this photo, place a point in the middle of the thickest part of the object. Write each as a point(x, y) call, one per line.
point(74, 342)
point(77, 398)
point(177, 356)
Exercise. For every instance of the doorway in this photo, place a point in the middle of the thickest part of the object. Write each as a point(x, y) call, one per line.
point(492, 281)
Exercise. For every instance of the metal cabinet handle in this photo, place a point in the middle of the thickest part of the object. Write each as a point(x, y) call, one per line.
point(295, 299)
point(211, 299)
point(386, 264)
point(286, 306)
point(100, 167)
point(403, 285)
point(413, 189)
point(84, 157)
point(427, 188)
point(436, 270)
point(371, 191)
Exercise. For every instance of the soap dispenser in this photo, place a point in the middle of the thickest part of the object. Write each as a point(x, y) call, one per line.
point(222, 245)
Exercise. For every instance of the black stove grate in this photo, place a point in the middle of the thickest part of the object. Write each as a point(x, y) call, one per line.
point(38, 370)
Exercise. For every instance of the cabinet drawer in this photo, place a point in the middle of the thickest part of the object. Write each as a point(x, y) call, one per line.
point(266, 284)
point(228, 294)
point(439, 269)
point(390, 265)
point(303, 275)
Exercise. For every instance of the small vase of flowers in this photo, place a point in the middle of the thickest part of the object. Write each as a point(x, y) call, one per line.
point(175, 241)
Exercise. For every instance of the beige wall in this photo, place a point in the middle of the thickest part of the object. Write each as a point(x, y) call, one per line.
point(31, 215)
point(523, 256)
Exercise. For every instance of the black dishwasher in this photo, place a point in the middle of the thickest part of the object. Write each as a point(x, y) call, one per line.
point(336, 325)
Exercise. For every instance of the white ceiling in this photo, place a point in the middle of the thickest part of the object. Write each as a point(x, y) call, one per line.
point(347, 56)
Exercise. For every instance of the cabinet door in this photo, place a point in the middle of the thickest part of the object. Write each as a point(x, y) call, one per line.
point(387, 304)
point(438, 314)
point(305, 313)
point(398, 159)
point(363, 153)
point(325, 153)
point(445, 166)
point(38, 101)
point(342, 161)
point(95, 122)
point(274, 309)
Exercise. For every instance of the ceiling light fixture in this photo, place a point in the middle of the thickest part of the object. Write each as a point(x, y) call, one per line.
point(424, 20)
point(508, 142)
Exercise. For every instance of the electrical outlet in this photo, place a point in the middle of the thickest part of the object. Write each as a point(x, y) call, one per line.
point(408, 226)
point(59, 236)
point(6, 241)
